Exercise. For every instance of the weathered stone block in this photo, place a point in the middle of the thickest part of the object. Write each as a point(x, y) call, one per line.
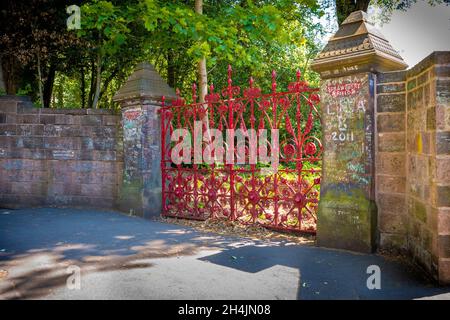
point(443, 170)
point(444, 246)
point(31, 142)
point(418, 167)
point(444, 271)
point(112, 120)
point(391, 164)
point(443, 217)
point(391, 122)
point(443, 196)
point(72, 188)
point(422, 78)
point(28, 118)
point(107, 155)
point(442, 71)
point(31, 188)
point(391, 142)
point(104, 144)
point(47, 119)
point(431, 118)
point(427, 243)
point(393, 203)
point(415, 99)
point(442, 91)
point(411, 84)
point(347, 221)
point(391, 88)
point(426, 95)
point(62, 143)
point(387, 184)
point(395, 76)
point(8, 106)
point(62, 154)
point(391, 103)
point(11, 118)
point(91, 120)
point(38, 130)
point(420, 211)
point(55, 189)
point(393, 241)
point(443, 142)
point(102, 132)
point(7, 129)
point(391, 222)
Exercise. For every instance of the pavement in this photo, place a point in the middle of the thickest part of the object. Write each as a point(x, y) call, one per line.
point(51, 253)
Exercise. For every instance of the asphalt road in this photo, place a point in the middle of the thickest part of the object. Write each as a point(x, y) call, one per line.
point(51, 253)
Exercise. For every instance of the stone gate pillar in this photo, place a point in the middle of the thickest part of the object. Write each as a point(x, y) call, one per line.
point(140, 98)
point(348, 66)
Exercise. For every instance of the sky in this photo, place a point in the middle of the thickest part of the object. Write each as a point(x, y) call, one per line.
point(419, 31)
point(414, 33)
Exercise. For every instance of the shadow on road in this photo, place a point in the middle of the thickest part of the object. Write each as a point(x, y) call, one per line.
point(37, 246)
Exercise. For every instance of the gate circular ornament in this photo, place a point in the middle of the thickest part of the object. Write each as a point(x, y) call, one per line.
point(179, 191)
point(310, 148)
point(253, 197)
point(300, 199)
point(212, 195)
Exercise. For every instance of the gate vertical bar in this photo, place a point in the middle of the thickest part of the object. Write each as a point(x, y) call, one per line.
point(195, 139)
point(274, 126)
point(231, 143)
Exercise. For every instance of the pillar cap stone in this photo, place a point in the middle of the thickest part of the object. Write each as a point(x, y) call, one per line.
point(144, 83)
point(358, 46)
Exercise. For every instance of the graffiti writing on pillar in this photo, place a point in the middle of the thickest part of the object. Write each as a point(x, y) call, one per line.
point(132, 140)
point(348, 128)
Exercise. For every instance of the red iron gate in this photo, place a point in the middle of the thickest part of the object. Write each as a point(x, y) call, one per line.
point(283, 199)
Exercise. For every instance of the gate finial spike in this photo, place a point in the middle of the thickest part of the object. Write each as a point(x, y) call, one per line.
point(274, 83)
point(194, 92)
point(251, 82)
point(230, 70)
point(211, 88)
point(299, 74)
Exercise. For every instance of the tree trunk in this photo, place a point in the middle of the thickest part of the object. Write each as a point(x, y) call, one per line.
point(345, 7)
point(107, 81)
point(98, 81)
point(170, 69)
point(203, 79)
point(2, 82)
point(82, 88)
point(60, 93)
point(48, 85)
point(10, 71)
point(92, 84)
point(202, 74)
point(41, 91)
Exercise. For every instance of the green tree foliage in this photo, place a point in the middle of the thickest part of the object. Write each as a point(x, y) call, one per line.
point(254, 36)
point(85, 67)
point(33, 45)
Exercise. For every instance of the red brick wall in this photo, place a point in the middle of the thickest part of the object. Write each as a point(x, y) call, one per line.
point(58, 156)
point(413, 162)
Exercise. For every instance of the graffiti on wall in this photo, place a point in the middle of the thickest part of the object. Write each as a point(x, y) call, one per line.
point(132, 139)
point(348, 128)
